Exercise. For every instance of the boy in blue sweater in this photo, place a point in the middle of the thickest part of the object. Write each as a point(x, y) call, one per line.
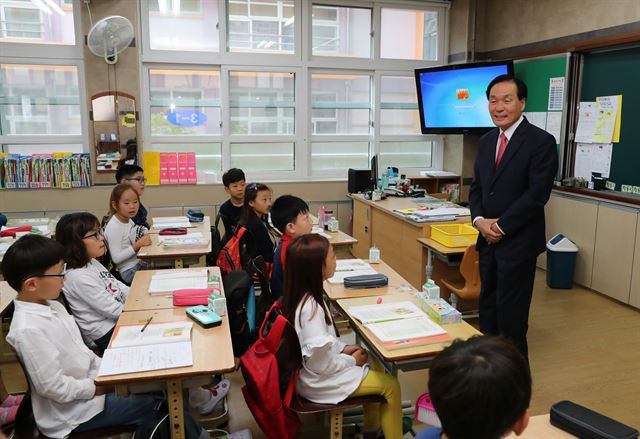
point(290, 215)
point(481, 389)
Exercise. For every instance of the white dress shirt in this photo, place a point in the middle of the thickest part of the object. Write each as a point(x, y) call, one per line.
point(95, 297)
point(508, 133)
point(60, 368)
point(327, 376)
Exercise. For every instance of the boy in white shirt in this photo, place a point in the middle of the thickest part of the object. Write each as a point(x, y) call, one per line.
point(60, 368)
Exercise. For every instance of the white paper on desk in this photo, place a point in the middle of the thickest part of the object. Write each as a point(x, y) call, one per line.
point(537, 118)
point(437, 174)
point(186, 272)
point(164, 222)
point(160, 284)
point(405, 329)
point(320, 231)
point(350, 267)
point(554, 124)
point(145, 358)
point(154, 333)
point(189, 235)
point(592, 157)
point(587, 117)
point(385, 311)
point(442, 211)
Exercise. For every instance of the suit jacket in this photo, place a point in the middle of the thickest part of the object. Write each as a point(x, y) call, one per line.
point(517, 190)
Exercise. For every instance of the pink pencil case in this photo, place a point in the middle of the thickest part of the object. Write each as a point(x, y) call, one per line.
point(191, 296)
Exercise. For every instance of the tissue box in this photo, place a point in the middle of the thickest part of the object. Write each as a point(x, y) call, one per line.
point(440, 311)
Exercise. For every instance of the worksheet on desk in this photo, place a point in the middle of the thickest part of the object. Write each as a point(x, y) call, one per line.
point(350, 267)
point(180, 280)
point(164, 222)
point(146, 358)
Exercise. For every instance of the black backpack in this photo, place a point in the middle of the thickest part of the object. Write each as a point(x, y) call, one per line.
point(217, 241)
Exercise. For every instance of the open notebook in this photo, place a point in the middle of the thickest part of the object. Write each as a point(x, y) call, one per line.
point(162, 345)
point(399, 324)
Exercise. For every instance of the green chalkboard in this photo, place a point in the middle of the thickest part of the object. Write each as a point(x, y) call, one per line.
point(536, 73)
point(616, 73)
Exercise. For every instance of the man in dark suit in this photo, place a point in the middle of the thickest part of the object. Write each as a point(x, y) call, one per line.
point(514, 173)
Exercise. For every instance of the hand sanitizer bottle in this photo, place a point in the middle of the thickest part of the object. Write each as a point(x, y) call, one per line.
point(374, 255)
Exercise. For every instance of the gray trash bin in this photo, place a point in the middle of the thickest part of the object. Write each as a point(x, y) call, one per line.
point(561, 262)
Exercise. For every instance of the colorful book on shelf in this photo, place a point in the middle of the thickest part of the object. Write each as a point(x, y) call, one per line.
point(192, 176)
point(151, 165)
point(183, 166)
point(148, 346)
point(173, 168)
point(165, 159)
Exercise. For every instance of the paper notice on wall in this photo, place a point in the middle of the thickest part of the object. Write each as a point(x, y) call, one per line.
point(554, 124)
point(606, 114)
point(537, 118)
point(587, 117)
point(592, 157)
point(556, 94)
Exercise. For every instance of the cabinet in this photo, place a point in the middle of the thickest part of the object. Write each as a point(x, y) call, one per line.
point(361, 229)
point(614, 250)
point(435, 185)
point(634, 297)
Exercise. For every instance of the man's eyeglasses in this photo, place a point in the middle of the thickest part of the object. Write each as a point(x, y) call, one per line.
point(141, 180)
point(60, 275)
point(97, 235)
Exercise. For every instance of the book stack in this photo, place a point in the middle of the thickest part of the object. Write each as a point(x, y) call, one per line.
point(108, 161)
point(176, 167)
point(62, 170)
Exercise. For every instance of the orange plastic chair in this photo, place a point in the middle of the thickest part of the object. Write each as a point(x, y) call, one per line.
point(470, 271)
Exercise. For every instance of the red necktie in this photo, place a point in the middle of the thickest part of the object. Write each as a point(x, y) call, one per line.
point(503, 146)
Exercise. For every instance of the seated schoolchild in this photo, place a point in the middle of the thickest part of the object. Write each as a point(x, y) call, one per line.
point(59, 366)
point(124, 237)
point(234, 184)
point(133, 175)
point(331, 370)
point(257, 204)
point(290, 215)
point(95, 297)
point(481, 389)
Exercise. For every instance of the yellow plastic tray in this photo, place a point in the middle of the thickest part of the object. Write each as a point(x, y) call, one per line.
point(454, 235)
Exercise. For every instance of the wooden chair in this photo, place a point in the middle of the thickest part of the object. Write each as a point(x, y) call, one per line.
point(470, 271)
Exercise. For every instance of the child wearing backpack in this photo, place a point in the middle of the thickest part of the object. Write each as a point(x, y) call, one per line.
point(257, 204)
point(124, 237)
point(59, 366)
point(332, 371)
point(290, 215)
point(480, 389)
point(234, 185)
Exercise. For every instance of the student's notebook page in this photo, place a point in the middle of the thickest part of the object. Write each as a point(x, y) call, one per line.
point(350, 267)
point(385, 311)
point(178, 280)
point(405, 329)
point(165, 222)
point(154, 333)
point(146, 358)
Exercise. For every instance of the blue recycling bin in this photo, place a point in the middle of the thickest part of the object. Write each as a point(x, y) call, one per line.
point(561, 262)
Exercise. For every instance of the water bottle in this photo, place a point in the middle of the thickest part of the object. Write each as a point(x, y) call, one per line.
point(321, 217)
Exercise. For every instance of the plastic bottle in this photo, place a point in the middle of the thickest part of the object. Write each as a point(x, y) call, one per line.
point(374, 255)
point(431, 289)
point(322, 217)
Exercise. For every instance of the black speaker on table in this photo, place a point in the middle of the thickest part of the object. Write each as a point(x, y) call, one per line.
point(359, 180)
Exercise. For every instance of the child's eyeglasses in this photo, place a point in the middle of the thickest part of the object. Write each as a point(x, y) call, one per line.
point(141, 180)
point(97, 235)
point(60, 275)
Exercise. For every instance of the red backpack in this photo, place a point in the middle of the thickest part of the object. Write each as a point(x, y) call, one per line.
point(270, 384)
point(229, 257)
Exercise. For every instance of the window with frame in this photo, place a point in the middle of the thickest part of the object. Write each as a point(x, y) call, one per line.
point(409, 34)
point(37, 22)
point(341, 31)
point(39, 100)
point(262, 26)
point(184, 25)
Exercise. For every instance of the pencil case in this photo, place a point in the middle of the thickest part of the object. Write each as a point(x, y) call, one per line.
point(192, 296)
point(195, 215)
point(587, 424)
point(13, 230)
point(170, 231)
point(366, 281)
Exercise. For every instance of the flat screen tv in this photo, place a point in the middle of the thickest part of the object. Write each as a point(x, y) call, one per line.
point(452, 99)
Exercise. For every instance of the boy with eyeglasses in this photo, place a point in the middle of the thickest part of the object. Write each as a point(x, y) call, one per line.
point(133, 175)
point(60, 368)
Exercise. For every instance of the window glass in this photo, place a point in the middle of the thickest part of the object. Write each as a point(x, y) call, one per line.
point(184, 102)
point(37, 22)
point(398, 105)
point(341, 31)
point(184, 25)
point(265, 26)
point(407, 34)
point(339, 156)
point(340, 104)
point(39, 99)
point(406, 154)
point(263, 156)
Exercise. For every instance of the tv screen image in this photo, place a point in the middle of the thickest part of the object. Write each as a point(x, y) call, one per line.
point(452, 99)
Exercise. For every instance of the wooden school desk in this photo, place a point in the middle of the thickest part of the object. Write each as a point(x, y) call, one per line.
point(139, 298)
point(212, 354)
point(396, 285)
point(7, 294)
point(375, 222)
point(155, 253)
point(540, 428)
point(405, 359)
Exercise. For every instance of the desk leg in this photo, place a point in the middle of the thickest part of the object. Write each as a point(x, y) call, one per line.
point(202, 261)
point(176, 407)
point(429, 268)
point(179, 263)
point(336, 424)
point(122, 390)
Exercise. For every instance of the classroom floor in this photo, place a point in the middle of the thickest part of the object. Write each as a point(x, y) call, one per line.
point(582, 346)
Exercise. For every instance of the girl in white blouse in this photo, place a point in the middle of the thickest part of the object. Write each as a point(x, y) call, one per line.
point(331, 370)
